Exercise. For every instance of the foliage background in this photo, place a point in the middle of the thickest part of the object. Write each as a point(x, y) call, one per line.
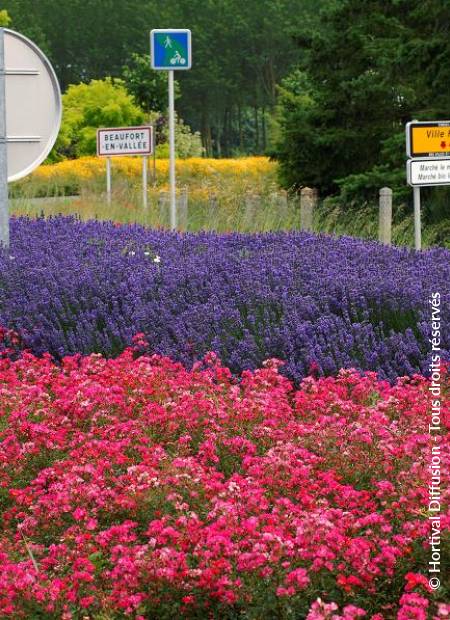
point(325, 87)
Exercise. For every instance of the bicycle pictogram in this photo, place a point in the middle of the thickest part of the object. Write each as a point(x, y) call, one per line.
point(177, 59)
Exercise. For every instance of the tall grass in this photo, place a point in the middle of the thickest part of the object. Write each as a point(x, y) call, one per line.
point(220, 213)
point(223, 195)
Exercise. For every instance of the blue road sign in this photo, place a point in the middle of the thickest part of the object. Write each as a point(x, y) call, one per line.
point(170, 49)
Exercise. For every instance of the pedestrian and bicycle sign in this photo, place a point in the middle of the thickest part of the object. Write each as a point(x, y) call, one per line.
point(170, 49)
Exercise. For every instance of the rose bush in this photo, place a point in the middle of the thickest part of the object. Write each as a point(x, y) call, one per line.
point(135, 488)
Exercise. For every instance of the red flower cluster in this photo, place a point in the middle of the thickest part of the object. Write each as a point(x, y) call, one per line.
point(136, 488)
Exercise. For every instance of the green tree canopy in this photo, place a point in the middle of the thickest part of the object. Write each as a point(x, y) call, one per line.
point(241, 50)
point(367, 68)
point(5, 19)
point(86, 107)
point(148, 87)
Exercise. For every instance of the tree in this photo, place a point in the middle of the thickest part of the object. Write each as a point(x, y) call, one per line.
point(367, 69)
point(338, 110)
point(5, 19)
point(241, 52)
point(86, 107)
point(148, 87)
point(84, 39)
point(107, 103)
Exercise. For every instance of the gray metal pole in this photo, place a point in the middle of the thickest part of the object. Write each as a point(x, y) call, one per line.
point(4, 211)
point(417, 223)
point(154, 155)
point(108, 180)
point(144, 182)
point(173, 198)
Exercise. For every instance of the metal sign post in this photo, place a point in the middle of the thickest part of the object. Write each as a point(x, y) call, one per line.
point(144, 182)
point(172, 182)
point(154, 159)
point(171, 50)
point(417, 220)
point(4, 211)
point(108, 180)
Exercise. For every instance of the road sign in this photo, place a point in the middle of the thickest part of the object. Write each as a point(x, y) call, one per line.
point(115, 141)
point(428, 172)
point(428, 139)
point(124, 141)
point(170, 49)
point(30, 114)
point(33, 104)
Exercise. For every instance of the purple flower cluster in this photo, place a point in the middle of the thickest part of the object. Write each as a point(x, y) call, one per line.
point(314, 301)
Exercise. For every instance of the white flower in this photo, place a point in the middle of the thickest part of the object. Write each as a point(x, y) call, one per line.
point(157, 259)
point(146, 253)
point(132, 253)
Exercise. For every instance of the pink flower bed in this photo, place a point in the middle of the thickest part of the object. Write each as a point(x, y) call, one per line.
point(135, 488)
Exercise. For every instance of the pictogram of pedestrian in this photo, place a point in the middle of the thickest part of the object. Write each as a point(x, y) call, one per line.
point(170, 49)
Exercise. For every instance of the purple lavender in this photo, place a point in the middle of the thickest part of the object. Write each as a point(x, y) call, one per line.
point(309, 300)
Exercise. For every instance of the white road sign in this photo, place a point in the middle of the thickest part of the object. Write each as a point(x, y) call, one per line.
point(124, 141)
point(428, 172)
point(33, 105)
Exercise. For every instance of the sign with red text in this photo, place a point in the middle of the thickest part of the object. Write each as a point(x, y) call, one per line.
point(428, 139)
point(124, 141)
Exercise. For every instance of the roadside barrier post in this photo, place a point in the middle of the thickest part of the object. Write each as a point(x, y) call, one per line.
point(212, 211)
point(385, 216)
point(183, 208)
point(251, 207)
point(308, 202)
point(279, 203)
point(162, 203)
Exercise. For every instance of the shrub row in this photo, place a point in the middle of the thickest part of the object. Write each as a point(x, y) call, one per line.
point(134, 488)
point(316, 302)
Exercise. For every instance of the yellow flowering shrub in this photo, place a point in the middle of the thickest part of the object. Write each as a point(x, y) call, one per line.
point(206, 176)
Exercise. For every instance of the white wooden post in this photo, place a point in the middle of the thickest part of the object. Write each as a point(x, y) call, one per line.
point(385, 216)
point(212, 211)
point(183, 208)
point(163, 203)
point(251, 206)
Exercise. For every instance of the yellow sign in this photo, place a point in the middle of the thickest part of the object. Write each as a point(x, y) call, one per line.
point(428, 139)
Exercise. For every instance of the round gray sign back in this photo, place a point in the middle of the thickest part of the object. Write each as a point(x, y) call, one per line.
point(33, 105)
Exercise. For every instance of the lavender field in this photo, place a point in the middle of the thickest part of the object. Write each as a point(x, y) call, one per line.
point(316, 302)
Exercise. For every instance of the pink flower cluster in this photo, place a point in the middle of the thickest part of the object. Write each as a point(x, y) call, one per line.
point(136, 488)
